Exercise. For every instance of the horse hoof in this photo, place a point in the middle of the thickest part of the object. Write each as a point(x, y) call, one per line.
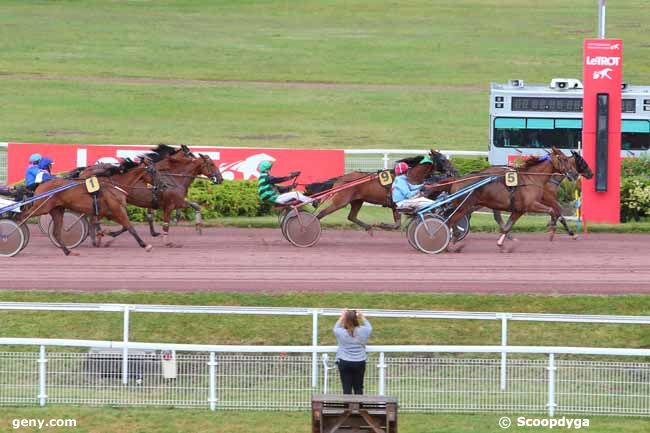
point(459, 248)
point(148, 248)
point(74, 254)
point(106, 244)
point(575, 237)
point(155, 235)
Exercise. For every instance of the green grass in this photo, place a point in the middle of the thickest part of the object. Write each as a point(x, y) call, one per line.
point(104, 420)
point(439, 57)
point(276, 330)
point(481, 222)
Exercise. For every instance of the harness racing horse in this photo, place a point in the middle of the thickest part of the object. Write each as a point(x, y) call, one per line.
point(177, 169)
point(420, 168)
point(111, 200)
point(525, 197)
point(550, 195)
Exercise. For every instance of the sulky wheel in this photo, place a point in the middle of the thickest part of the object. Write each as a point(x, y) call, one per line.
point(413, 223)
point(27, 234)
point(12, 238)
point(302, 229)
point(74, 231)
point(432, 236)
point(286, 215)
point(44, 222)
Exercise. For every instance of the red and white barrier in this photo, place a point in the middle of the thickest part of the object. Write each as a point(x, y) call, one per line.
point(235, 163)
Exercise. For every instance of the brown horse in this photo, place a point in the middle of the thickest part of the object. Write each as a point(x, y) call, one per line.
point(525, 197)
point(550, 195)
point(111, 200)
point(177, 169)
point(420, 168)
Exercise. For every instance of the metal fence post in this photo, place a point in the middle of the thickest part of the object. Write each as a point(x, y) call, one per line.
point(325, 372)
point(382, 374)
point(504, 343)
point(125, 350)
point(551, 384)
point(385, 159)
point(41, 376)
point(213, 382)
point(314, 343)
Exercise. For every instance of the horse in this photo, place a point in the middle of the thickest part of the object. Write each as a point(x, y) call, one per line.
point(420, 168)
point(111, 199)
point(177, 168)
point(550, 195)
point(526, 197)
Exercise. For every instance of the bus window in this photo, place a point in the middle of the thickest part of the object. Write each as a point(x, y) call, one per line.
point(535, 133)
point(635, 135)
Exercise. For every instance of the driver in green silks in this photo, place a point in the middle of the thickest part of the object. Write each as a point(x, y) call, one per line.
point(269, 191)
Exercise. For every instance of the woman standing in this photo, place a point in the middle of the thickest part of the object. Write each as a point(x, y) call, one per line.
point(352, 331)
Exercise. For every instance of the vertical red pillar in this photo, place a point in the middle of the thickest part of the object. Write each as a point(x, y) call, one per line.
point(601, 129)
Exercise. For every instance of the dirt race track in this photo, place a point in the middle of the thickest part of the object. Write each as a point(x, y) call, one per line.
point(227, 259)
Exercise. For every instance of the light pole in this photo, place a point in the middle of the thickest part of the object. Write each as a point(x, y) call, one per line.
point(601, 18)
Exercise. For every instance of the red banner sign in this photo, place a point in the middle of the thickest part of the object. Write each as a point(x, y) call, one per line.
point(603, 66)
point(234, 163)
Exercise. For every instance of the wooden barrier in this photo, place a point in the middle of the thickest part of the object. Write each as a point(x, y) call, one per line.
point(353, 414)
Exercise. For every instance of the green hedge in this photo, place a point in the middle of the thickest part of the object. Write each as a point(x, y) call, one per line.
point(229, 199)
point(467, 165)
point(635, 188)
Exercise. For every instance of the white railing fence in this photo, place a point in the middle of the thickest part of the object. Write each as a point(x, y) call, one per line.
point(127, 310)
point(3, 163)
point(378, 159)
point(278, 378)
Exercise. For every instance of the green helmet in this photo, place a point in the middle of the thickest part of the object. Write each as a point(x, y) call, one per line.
point(265, 166)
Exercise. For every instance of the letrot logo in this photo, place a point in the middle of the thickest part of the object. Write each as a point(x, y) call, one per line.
point(615, 47)
point(603, 61)
point(247, 167)
point(602, 74)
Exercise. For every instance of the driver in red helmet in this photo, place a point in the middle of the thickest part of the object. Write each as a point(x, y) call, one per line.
point(404, 194)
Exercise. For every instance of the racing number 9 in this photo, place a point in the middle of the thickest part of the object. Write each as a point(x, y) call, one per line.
point(385, 178)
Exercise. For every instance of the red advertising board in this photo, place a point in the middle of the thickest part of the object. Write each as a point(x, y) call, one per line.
point(235, 163)
point(603, 68)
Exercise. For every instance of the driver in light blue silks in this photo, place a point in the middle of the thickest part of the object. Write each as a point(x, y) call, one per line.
point(404, 194)
point(32, 171)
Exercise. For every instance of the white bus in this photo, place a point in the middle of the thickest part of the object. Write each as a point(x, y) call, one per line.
point(525, 119)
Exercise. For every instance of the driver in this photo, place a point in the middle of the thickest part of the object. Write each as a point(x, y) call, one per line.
point(278, 194)
point(45, 171)
point(32, 171)
point(404, 194)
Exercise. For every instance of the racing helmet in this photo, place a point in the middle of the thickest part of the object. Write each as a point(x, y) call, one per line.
point(44, 163)
point(35, 157)
point(265, 166)
point(401, 168)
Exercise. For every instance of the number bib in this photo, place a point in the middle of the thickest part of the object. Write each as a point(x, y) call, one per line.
point(92, 184)
point(512, 178)
point(385, 178)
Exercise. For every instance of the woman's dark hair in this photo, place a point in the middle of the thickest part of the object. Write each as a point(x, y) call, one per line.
point(350, 321)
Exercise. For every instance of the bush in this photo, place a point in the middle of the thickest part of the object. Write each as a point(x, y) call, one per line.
point(635, 167)
point(231, 198)
point(467, 165)
point(635, 198)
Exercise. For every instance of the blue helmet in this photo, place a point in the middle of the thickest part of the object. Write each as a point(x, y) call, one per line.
point(43, 163)
point(35, 157)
